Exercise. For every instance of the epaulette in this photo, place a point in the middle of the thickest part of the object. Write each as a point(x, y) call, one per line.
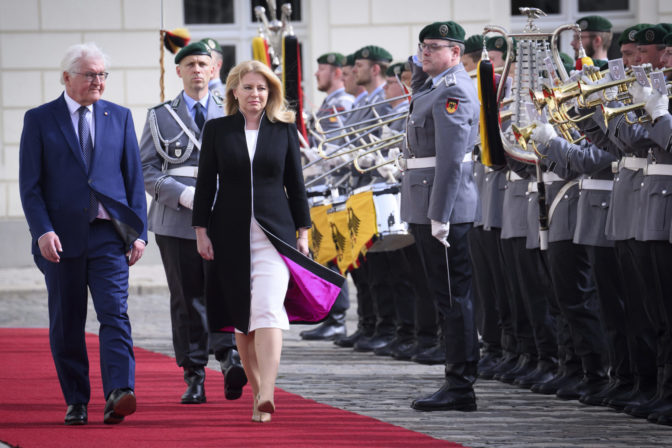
point(176, 102)
point(217, 98)
point(160, 105)
point(450, 80)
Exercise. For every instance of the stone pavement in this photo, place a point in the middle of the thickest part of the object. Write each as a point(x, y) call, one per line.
point(378, 387)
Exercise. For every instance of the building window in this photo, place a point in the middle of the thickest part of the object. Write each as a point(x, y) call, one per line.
point(296, 9)
point(208, 11)
point(603, 5)
point(548, 6)
point(229, 61)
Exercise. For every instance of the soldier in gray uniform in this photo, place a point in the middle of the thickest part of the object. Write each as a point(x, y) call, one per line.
point(216, 86)
point(169, 150)
point(439, 201)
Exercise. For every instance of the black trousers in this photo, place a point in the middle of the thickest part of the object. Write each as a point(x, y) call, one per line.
point(612, 307)
point(575, 290)
point(426, 315)
point(641, 334)
point(382, 292)
point(185, 275)
point(366, 315)
point(448, 272)
point(342, 302)
point(661, 254)
point(404, 293)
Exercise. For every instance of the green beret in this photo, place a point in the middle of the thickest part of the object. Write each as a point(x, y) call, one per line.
point(473, 44)
point(349, 60)
point(628, 34)
point(667, 40)
point(667, 26)
point(213, 45)
point(594, 23)
point(443, 30)
point(335, 59)
point(397, 69)
point(194, 48)
point(568, 62)
point(497, 43)
point(650, 35)
point(373, 53)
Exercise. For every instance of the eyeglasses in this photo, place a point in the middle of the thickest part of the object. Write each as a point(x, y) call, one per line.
point(91, 76)
point(431, 47)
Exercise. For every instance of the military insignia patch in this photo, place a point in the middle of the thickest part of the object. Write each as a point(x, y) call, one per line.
point(499, 43)
point(583, 24)
point(331, 59)
point(650, 35)
point(211, 44)
point(631, 35)
point(365, 53)
point(443, 30)
point(451, 105)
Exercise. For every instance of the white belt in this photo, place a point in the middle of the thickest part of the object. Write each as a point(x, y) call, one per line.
point(429, 162)
point(183, 171)
point(487, 169)
point(532, 187)
point(512, 176)
point(632, 163)
point(658, 169)
point(596, 184)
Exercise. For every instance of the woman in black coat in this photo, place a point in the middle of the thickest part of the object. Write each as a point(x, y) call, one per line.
point(249, 205)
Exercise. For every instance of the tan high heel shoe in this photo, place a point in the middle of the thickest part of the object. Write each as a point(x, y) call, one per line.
point(265, 405)
point(259, 417)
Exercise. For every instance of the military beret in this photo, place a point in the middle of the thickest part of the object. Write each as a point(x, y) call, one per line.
point(567, 62)
point(650, 35)
point(594, 23)
point(373, 53)
point(335, 59)
point(194, 48)
point(628, 34)
point(349, 60)
point(667, 40)
point(667, 26)
point(443, 30)
point(473, 44)
point(497, 43)
point(213, 44)
point(397, 69)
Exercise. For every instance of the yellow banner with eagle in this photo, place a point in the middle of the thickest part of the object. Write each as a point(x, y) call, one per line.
point(361, 221)
point(320, 239)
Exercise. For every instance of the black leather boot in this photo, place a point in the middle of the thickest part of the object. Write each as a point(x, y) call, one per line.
point(594, 379)
point(643, 410)
point(234, 374)
point(195, 379)
point(331, 329)
point(349, 341)
point(567, 374)
point(526, 364)
point(641, 392)
point(664, 405)
point(614, 386)
point(507, 362)
point(545, 370)
point(431, 356)
point(456, 394)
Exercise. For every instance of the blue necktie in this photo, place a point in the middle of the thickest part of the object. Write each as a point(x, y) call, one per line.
point(200, 117)
point(86, 145)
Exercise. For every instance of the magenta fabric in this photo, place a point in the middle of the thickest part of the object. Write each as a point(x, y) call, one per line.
point(309, 297)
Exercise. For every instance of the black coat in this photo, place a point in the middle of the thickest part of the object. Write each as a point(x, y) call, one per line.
point(280, 207)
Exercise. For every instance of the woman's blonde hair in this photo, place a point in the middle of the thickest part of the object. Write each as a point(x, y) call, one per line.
point(276, 106)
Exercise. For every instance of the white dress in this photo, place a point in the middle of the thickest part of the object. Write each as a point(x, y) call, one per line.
point(269, 275)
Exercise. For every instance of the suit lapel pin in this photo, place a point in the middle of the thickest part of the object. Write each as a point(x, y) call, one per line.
point(105, 113)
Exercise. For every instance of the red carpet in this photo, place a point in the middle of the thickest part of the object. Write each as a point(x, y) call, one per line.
point(32, 409)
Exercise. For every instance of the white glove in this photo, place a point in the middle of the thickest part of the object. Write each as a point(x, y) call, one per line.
point(187, 198)
point(310, 153)
point(543, 133)
point(639, 93)
point(440, 231)
point(656, 105)
point(367, 160)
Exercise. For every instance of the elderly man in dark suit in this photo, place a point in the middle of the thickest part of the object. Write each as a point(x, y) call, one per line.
point(439, 201)
point(81, 187)
point(170, 148)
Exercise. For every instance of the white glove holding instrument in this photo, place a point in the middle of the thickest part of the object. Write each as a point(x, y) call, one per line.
point(656, 105)
point(187, 198)
point(639, 93)
point(440, 231)
point(543, 133)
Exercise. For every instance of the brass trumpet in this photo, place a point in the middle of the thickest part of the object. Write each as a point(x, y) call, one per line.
point(610, 112)
point(377, 146)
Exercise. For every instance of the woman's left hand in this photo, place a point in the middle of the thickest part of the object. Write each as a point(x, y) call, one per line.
point(302, 242)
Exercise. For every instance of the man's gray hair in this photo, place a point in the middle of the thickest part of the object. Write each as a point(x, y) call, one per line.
point(79, 52)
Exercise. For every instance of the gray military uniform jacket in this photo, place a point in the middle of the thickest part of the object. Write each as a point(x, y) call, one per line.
point(336, 102)
point(166, 215)
point(442, 123)
point(514, 216)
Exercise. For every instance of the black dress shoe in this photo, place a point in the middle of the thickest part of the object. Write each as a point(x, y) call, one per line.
point(120, 403)
point(76, 414)
point(544, 371)
point(526, 364)
point(447, 399)
point(370, 344)
point(614, 387)
point(566, 375)
point(195, 379)
point(635, 397)
point(589, 384)
point(488, 361)
point(349, 341)
point(507, 362)
point(405, 353)
point(432, 356)
point(234, 375)
point(331, 329)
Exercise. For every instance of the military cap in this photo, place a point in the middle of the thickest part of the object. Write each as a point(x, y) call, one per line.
point(473, 44)
point(497, 43)
point(335, 59)
point(594, 23)
point(667, 26)
point(667, 40)
point(443, 30)
point(349, 60)
point(650, 35)
point(194, 48)
point(628, 34)
point(373, 53)
point(397, 69)
point(567, 62)
point(213, 44)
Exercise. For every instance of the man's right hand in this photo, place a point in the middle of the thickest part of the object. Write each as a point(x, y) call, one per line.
point(50, 246)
